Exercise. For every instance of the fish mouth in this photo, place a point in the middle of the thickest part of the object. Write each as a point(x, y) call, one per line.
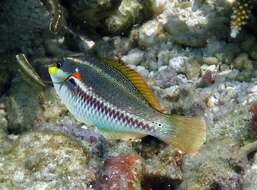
point(52, 69)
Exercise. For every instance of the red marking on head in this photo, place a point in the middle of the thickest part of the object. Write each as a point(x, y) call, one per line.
point(76, 75)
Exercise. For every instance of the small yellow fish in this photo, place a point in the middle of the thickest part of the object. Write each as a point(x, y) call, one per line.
point(117, 100)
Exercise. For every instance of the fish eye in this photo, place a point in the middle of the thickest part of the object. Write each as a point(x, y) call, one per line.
point(59, 64)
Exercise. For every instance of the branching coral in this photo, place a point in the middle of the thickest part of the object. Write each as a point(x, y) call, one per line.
point(240, 15)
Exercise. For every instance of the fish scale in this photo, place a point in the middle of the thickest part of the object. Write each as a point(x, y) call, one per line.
point(86, 104)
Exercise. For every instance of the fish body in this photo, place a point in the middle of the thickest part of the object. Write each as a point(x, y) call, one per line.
point(116, 100)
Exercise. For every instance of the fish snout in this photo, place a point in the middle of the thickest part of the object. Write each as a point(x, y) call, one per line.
point(52, 69)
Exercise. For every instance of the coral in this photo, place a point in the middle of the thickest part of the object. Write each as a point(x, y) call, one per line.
point(253, 110)
point(208, 78)
point(122, 172)
point(240, 15)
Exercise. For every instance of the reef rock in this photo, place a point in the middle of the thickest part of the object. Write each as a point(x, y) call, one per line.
point(249, 179)
point(24, 26)
point(112, 16)
point(209, 170)
point(45, 160)
point(3, 124)
point(150, 33)
point(21, 100)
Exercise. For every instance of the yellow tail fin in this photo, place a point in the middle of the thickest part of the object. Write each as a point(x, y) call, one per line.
point(189, 133)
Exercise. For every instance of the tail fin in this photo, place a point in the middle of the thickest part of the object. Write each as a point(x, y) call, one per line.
point(189, 133)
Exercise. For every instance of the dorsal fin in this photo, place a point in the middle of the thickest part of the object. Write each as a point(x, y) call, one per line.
point(138, 82)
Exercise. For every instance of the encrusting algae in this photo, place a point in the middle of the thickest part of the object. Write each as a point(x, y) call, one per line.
point(115, 99)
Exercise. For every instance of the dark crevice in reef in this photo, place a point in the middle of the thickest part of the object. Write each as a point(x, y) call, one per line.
point(149, 146)
point(7, 72)
point(251, 155)
point(149, 140)
point(237, 169)
point(159, 183)
point(215, 186)
point(251, 26)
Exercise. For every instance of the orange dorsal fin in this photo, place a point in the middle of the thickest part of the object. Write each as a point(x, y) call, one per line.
point(138, 82)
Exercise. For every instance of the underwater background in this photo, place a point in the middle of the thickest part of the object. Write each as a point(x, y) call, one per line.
point(199, 57)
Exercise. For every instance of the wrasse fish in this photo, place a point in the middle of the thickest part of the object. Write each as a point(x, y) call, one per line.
point(117, 100)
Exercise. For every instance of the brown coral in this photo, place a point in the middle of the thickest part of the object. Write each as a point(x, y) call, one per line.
point(123, 172)
point(253, 110)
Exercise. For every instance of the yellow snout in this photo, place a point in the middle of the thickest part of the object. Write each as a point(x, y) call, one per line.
point(52, 69)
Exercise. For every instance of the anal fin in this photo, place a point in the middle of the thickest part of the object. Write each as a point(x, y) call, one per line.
point(125, 136)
